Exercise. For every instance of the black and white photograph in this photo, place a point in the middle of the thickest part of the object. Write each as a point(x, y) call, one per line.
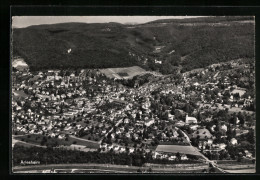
point(132, 94)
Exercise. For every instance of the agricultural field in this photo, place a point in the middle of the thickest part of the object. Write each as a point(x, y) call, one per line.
point(37, 140)
point(239, 91)
point(19, 95)
point(177, 148)
point(123, 73)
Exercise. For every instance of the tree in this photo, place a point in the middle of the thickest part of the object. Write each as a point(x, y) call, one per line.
point(251, 137)
point(178, 155)
point(212, 170)
point(139, 170)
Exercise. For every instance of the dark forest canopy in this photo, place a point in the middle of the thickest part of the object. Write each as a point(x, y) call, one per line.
point(210, 19)
point(107, 45)
point(57, 156)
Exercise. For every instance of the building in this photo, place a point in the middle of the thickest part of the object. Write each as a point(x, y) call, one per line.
point(149, 122)
point(190, 120)
point(233, 141)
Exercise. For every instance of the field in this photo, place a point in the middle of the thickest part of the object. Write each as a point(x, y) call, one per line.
point(123, 73)
point(240, 92)
point(177, 148)
point(19, 95)
point(230, 109)
point(36, 139)
point(242, 171)
point(88, 144)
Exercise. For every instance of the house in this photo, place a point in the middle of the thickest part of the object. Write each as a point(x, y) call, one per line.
point(233, 141)
point(118, 131)
point(184, 157)
point(116, 148)
point(156, 154)
point(172, 158)
point(190, 120)
point(157, 62)
point(194, 127)
point(122, 149)
point(128, 135)
point(222, 146)
point(78, 126)
point(210, 141)
point(110, 146)
point(237, 121)
point(135, 136)
point(248, 154)
point(149, 122)
point(196, 84)
point(126, 120)
point(61, 136)
point(224, 127)
point(113, 135)
point(213, 128)
point(157, 49)
point(103, 145)
point(52, 134)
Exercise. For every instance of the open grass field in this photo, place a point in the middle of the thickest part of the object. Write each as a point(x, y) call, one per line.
point(177, 148)
point(19, 95)
point(241, 171)
point(36, 139)
point(88, 144)
point(123, 73)
point(239, 91)
point(24, 144)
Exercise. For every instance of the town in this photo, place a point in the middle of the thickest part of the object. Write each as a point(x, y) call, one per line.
point(205, 115)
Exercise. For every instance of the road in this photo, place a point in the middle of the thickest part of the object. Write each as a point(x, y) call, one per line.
point(93, 167)
point(205, 158)
point(81, 139)
point(120, 121)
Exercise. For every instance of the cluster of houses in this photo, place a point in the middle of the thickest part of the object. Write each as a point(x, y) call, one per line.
point(90, 106)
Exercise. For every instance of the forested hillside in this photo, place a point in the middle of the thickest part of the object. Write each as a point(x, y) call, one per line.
point(186, 44)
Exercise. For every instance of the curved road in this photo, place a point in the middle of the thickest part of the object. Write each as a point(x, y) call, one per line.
point(206, 159)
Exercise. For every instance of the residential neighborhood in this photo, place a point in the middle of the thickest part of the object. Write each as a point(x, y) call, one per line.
point(86, 111)
point(150, 95)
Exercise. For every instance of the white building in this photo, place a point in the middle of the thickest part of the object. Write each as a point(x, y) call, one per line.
point(233, 141)
point(190, 120)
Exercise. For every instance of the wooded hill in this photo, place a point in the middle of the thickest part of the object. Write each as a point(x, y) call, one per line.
point(106, 45)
